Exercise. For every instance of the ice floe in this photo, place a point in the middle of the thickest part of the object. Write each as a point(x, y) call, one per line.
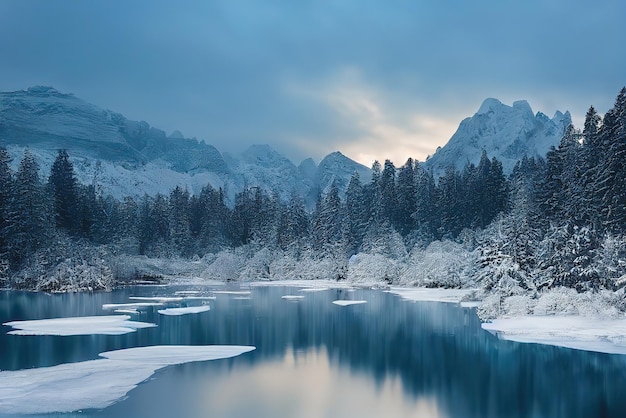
point(314, 289)
point(293, 297)
point(158, 299)
point(601, 335)
point(127, 311)
point(138, 305)
point(96, 384)
point(187, 292)
point(81, 325)
point(431, 295)
point(232, 292)
point(184, 310)
point(348, 302)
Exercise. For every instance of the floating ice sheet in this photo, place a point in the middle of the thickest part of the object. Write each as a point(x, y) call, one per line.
point(138, 305)
point(605, 336)
point(187, 292)
point(293, 297)
point(348, 302)
point(96, 383)
point(232, 292)
point(200, 297)
point(184, 311)
point(82, 325)
point(314, 289)
point(158, 299)
point(431, 295)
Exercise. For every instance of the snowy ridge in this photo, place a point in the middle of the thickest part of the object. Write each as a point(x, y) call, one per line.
point(506, 132)
point(130, 158)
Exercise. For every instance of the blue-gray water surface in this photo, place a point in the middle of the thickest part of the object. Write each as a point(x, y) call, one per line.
point(386, 357)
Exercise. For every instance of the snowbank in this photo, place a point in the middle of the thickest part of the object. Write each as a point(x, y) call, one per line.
point(432, 295)
point(581, 333)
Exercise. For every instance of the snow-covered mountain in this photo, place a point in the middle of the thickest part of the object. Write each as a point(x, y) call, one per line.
point(130, 158)
point(506, 132)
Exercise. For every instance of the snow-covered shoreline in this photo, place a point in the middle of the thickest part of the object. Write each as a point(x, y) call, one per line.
point(569, 331)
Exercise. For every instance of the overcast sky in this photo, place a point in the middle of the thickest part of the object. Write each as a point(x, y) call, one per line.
point(372, 79)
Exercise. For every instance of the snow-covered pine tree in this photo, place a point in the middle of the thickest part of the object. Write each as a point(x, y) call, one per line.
point(293, 225)
point(29, 225)
point(355, 215)
point(179, 233)
point(611, 187)
point(64, 189)
point(406, 195)
point(426, 217)
point(6, 187)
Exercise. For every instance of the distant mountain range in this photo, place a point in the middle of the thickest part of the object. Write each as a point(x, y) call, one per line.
point(130, 158)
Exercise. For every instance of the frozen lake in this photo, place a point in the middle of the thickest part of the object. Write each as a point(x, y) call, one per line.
point(283, 352)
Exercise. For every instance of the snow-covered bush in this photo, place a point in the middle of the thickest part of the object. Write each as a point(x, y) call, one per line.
point(66, 266)
point(441, 264)
point(226, 266)
point(257, 267)
point(368, 268)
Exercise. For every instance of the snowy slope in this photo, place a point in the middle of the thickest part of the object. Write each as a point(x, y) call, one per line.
point(129, 158)
point(505, 132)
point(337, 169)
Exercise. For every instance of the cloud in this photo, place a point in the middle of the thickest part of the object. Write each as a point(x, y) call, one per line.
point(372, 79)
point(370, 126)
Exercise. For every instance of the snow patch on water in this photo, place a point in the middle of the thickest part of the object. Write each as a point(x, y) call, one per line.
point(293, 297)
point(184, 310)
point(348, 302)
point(138, 305)
point(82, 325)
point(158, 299)
point(96, 384)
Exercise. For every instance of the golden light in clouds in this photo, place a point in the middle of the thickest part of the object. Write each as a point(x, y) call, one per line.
point(382, 130)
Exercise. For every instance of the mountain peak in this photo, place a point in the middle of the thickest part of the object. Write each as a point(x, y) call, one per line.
point(489, 105)
point(506, 132)
point(523, 106)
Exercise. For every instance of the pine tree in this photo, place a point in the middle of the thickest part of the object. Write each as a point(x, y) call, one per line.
point(591, 155)
point(293, 224)
point(426, 216)
point(356, 215)
point(450, 204)
point(28, 222)
point(178, 220)
point(406, 198)
point(611, 186)
point(6, 188)
point(388, 201)
point(327, 223)
point(63, 186)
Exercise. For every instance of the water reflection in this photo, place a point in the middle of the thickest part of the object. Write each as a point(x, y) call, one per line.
point(383, 358)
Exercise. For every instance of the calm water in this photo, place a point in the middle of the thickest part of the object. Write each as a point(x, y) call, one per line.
point(386, 358)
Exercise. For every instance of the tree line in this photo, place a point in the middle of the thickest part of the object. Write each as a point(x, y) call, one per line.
point(577, 193)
